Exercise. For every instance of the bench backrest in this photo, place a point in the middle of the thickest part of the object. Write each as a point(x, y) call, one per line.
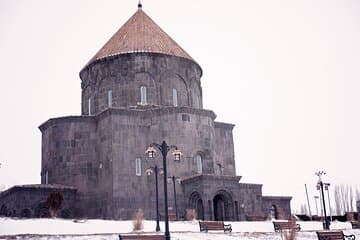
point(141, 237)
point(330, 235)
point(284, 224)
point(355, 225)
point(212, 224)
point(254, 218)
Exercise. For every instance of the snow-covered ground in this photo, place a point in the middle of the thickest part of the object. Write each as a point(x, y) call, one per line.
point(44, 229)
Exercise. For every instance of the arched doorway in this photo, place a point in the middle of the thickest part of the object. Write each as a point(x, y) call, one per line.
point(223, 207)
point(197, 204)
point(273, 212)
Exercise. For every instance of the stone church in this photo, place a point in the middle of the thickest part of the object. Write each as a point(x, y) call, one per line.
point(141, 87)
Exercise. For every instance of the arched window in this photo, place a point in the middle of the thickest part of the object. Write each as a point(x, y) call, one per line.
point(143, 98)
point(198, 160)
point(196, 101)
point(109, 98)
point(174, 97)
point(46, 177)
point(138, 166)
point(218, 169)
point(89, 106)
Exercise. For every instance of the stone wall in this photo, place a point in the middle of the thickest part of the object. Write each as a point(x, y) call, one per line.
point(74, 153)
point(224, 159)
point(98, 155)
point(30, 201)
point(277, 207)
point(124, 74)
point(250, 200)
point(185, 127)
point(101, 162)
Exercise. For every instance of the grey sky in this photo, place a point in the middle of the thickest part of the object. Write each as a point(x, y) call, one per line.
point(286, 72)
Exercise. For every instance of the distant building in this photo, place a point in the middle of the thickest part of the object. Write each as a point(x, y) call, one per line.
point(140, 88)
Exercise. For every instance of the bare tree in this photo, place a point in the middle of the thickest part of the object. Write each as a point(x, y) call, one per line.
point(303, 209)
point(337, 198)
point(54, 202)
point(357, 195)
point(344, 198)
point(351, 196)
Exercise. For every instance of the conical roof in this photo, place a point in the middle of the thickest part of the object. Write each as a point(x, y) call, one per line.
point(140, 34)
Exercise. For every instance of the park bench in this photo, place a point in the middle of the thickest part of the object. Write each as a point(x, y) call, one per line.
point(171, 216)
point(141, 237)
point(205, 226)
point(254, 218)
point(355, 224)
point(288, 225)
point(334, 235)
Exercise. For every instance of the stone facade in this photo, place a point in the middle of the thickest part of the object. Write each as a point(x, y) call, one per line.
point(129, 101)
point(123, 75)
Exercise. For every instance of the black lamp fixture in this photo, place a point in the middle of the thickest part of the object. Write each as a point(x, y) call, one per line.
point(164, 149)
point(320, 186)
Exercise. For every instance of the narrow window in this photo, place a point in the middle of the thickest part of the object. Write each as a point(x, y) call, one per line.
point(196, 101)
point(138, 166)
point(89, 106)
point(143, 95)
point(218, 169)
point(175, 97)
point(109, 98)
point(185, 117)
point(46, 177)
point(198, 163)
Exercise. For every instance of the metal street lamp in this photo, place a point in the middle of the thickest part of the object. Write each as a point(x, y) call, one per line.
point(149, 171)
point(173, 178)
point(164, 149)
point(320, 186)
point(327, 185)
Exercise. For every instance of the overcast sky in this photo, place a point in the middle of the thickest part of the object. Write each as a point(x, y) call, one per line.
point(285, 72)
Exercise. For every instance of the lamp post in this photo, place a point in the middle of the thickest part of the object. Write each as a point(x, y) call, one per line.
point(173, 178)
point(327, 185)
point(149, 172)
point(164, 149)
point(320, 186)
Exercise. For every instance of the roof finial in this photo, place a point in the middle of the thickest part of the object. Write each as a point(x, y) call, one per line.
point(139, 4)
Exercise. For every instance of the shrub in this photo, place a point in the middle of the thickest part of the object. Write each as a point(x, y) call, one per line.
point(291, 233)
point(190, 214)
point(54, 202)
point(138, 222)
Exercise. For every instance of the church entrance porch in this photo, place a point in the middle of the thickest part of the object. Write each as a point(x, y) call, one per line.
point(223, 207)
point(211, 196)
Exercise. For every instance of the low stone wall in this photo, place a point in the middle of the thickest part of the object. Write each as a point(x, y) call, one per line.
point(29, 201)
point(276, 207)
